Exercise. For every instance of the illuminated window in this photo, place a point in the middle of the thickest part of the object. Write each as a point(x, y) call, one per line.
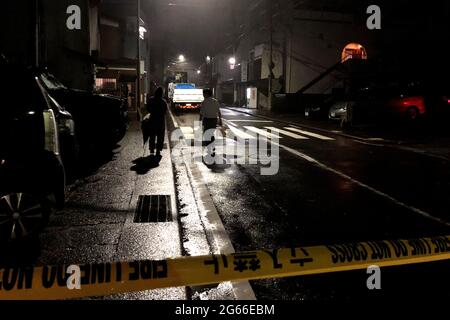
point(354, 51)
point(105, 84)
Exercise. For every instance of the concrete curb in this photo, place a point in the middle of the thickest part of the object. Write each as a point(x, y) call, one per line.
point(214, 229)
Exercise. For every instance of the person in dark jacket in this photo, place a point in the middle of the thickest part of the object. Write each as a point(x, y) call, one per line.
point(157, 107)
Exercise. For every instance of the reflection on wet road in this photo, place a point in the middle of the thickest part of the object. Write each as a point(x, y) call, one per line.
point(329, 189)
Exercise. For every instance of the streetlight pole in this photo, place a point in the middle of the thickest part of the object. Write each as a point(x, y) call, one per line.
point(138, 56)
point(37, 33)
point(235, 93)
point(271, 66)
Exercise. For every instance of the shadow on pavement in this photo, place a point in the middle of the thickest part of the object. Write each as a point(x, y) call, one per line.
point(89, 162)
point(143, 165)
point(20, 253)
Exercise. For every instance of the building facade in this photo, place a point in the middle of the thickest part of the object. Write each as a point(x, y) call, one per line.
point(98, 55)
point(292, 43)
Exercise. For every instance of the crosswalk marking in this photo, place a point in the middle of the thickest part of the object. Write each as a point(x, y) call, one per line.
point(240, 134)
point(187, 130)
point(188, 133)
point(295, 133)
point(263, 133)
point(255, 121)
point(287, 133)
point(310, 134)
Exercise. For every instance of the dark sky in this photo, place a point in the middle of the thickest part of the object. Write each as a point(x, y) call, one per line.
point(194, 28)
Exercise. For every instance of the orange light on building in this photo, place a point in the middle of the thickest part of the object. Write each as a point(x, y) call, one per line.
point(354, 51)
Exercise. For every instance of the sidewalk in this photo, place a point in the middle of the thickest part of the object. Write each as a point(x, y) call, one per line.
point(97, 224)
point(424, 143)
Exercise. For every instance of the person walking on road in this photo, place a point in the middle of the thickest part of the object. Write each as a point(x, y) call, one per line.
point(157, 107)
point(210, 116)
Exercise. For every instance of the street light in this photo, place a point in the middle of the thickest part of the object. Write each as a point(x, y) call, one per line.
point(199, 72)
point(181, 58)
point(232, 62)
point(142, 32)
point(208, 59)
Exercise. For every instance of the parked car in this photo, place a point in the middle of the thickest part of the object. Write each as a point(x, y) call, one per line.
point(338, 110)
point(101, 120)
point(416, 100)
point(410, 108)
point(366, 105)
point(320, 110)
point(32, 177)
point(68, 145)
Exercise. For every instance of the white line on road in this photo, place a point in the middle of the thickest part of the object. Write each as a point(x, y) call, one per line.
point(287, 133)
point(310, 134)
point(262, 132)
point(239, 133)
point(188, 133)
point(363, 185)
point(187, 130)
point(253, 121)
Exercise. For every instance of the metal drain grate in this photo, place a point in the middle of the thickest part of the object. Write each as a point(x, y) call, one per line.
point(153, 209)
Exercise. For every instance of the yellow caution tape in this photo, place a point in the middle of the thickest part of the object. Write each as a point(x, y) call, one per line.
point(111, 278)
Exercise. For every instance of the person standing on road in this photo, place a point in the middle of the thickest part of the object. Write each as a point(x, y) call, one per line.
point(210, 116)
point(157, 107)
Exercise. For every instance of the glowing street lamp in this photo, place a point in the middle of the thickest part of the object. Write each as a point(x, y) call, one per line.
point(142, 32)
point(232, 62)
point(181, 58)
point(208, 59)
point(199, 72)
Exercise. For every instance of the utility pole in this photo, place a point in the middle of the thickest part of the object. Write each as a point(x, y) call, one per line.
point(271, 65)
point(37, 33)
point(235, 44)
point(138, 56)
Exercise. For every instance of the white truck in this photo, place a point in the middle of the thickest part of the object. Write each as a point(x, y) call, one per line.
point(185, 96)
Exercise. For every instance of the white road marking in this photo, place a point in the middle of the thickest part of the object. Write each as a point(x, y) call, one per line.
point(310, 134)
point(369, 143)
point(253, 121)
point(239, 133)
point(187, 130)
point(262, 132)
point(287, 133)
point(188, 133)
point(363, 185)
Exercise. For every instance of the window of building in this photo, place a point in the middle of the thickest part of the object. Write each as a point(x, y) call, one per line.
point(105, 84)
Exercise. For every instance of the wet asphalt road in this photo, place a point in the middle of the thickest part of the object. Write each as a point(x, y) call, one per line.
point(332, 189)
point(329, 189)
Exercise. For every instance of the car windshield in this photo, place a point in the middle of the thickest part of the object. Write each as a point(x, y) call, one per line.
point(23, 92)
point(50, 82)
point(185, 86)
point(21, 121)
